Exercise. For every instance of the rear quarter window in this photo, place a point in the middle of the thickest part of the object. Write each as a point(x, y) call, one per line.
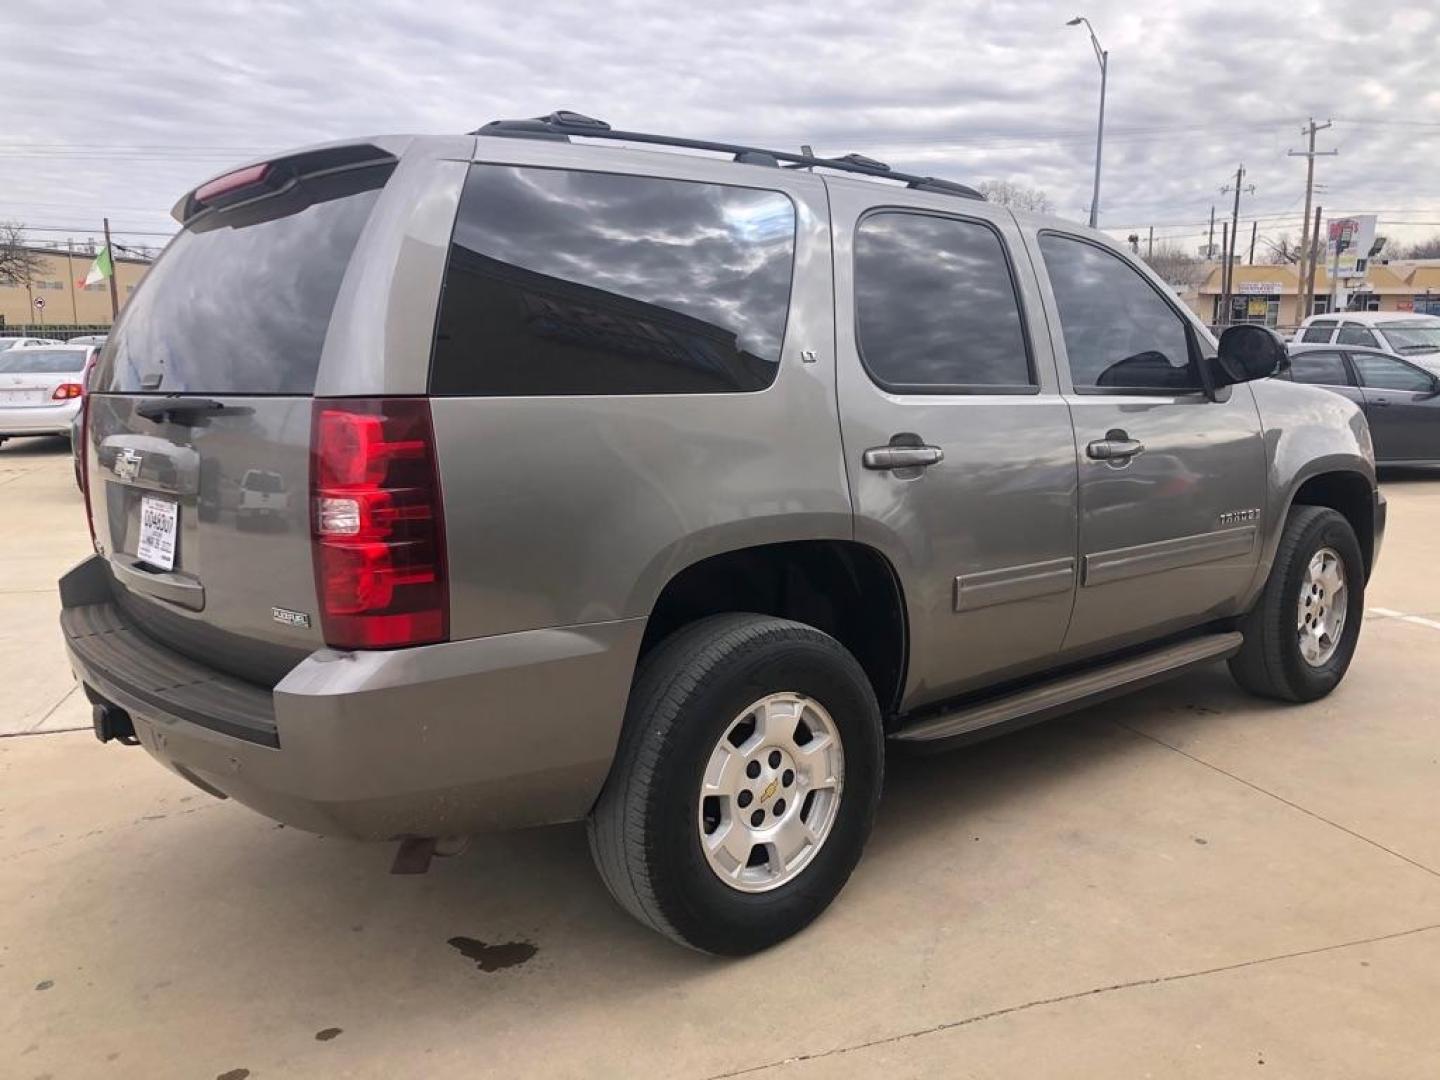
point(564, 282)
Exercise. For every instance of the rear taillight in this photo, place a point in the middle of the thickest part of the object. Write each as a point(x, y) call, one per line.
point(377, 523)
point(67, 390)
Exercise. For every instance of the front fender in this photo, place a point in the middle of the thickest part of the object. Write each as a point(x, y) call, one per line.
point(1309, 432)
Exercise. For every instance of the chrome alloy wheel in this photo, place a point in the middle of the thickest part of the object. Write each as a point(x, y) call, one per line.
point(1321, 609)
point(771, 792)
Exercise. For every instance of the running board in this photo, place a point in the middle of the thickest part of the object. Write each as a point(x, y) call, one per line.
point(1073, 691)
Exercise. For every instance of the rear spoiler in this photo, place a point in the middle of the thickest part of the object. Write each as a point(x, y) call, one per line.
point(270, 176)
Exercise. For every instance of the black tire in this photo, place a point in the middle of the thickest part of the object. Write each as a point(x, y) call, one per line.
point(1270, 663)
point(643, 830)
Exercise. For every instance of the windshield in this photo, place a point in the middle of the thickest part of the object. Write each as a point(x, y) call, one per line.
point(1413, 337)
point(30, 361)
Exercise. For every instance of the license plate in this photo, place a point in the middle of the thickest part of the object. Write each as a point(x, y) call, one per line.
point(21, 397)
point(158, 521)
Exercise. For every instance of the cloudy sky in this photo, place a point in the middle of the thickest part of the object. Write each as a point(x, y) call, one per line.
point(117, 109)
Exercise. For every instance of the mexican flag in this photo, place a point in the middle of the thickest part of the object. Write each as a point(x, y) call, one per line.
point(100, 269)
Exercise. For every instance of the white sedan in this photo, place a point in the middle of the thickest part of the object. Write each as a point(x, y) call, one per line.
point(25, 342)
point(40, 389)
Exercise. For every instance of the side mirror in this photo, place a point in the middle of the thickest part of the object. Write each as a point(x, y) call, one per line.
point(1249, 352)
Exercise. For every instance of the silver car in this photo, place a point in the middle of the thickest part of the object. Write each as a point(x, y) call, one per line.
point(663, 490)
point(40, 389)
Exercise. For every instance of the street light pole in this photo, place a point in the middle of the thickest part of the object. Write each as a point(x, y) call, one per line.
point(1103, 59)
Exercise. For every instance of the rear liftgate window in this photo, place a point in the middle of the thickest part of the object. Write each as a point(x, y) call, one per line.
point(570, 283)
point(241, 300)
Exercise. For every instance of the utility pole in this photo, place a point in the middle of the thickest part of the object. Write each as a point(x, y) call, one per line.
point(70, 276)
point(1234, 232)
point(1210, 243)
point(1223, 316)
point(1313, 257)
point(114, 292)
point(1309, 156)
point(1254, 228)
point(1150, 244)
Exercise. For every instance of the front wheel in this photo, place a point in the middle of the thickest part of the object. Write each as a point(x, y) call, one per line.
point(745, 784)
point(1301, 634)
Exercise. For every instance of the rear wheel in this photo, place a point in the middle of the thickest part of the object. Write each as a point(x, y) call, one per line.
point(745, 784)
point(1301, 635)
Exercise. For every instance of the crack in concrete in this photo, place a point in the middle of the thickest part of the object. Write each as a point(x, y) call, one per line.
point(1279, 798)
point(61, 841)
point(1158, 980)
point(34, 729)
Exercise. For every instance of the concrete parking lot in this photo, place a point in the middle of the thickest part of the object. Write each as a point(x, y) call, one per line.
point(1186, 882)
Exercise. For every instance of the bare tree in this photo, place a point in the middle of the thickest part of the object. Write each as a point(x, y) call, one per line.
point(1016, 196)
point(1175, 265)
point(1281, 251)
point(1421, 249)
point(19, 264)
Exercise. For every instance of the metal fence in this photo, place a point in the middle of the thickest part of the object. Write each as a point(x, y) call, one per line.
point(60, 332)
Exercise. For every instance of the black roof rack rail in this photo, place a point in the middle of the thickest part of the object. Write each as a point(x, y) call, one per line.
point(563, 124)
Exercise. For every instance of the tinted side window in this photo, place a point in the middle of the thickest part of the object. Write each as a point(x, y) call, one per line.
point(1318, 332)
point(563, 282)
point(1355, 335)
point(935, 306)
point(1383, 373)
point(1323, 368)
point(1119, 333)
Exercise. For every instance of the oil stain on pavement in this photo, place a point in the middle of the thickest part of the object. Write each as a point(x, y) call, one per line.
point(494, 957)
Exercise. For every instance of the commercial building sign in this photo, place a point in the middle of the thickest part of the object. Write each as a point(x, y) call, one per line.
point(1348, 249)
point(1258, 288)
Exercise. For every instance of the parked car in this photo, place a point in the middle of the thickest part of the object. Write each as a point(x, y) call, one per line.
point(1400, 332)
point(87, 339)
point(262, 496)
point(40, 389)
point(1401, 398)
point(660, 490)
point(24, 342)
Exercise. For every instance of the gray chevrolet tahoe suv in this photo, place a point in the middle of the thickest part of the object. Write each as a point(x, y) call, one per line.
point(662, 490)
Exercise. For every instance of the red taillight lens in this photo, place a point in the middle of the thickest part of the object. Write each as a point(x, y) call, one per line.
point(377, 523)
point(67, 390)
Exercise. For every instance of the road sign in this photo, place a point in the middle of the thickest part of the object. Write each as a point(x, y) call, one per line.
point(40, 302)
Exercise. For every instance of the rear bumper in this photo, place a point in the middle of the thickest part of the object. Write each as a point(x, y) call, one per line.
point(39, 419)
point(468, 736)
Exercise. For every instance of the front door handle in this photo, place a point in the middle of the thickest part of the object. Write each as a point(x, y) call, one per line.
point(1116, 446)
point(1380, 401)
point(902, 457)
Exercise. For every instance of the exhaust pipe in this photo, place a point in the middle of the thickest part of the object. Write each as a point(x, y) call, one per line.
point(112, 722)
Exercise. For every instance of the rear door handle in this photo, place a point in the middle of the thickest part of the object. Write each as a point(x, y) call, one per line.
point(902, 457)
point(1381, 401)
point(1113, 448)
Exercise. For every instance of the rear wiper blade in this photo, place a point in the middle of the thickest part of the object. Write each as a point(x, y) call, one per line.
point(178, 410)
